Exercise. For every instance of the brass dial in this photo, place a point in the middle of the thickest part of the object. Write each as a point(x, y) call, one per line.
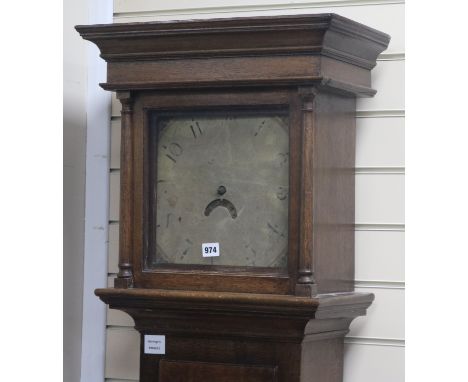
point(222, 179)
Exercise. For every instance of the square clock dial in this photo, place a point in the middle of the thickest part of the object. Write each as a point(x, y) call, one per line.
point(220, 185)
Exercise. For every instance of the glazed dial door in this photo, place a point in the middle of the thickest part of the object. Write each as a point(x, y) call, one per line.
point(223, 179)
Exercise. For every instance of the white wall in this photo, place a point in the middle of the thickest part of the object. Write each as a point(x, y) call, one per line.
point(74, 136)
point(97, 204)
point(375, 345)
point(86, 152)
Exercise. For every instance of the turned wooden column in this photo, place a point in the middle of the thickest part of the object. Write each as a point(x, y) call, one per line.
point(124, 278)
point(305, 285)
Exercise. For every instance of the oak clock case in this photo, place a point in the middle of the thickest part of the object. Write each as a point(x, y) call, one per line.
point(236, 238)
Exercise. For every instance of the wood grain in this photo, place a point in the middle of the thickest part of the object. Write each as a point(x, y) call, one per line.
point(185, 371)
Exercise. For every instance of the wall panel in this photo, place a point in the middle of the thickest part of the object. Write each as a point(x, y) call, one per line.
point(114, 197)
point(380, 198)
point(380, 142)
point(119, 318)
point(115, 144)
point(385, 318)
point(122, 353)
point(388, 78)
point(380, 255)
point(367, 363)
point(113, 256)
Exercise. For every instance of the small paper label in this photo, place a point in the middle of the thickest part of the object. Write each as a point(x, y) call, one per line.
point(210, 249)
point(155, 344)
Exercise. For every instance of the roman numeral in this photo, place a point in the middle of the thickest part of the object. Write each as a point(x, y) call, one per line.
point(196, 131)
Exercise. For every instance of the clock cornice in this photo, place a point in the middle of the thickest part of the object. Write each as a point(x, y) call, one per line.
point(316, 49)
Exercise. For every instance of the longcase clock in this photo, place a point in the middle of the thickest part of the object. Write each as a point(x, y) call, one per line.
point(237, 192)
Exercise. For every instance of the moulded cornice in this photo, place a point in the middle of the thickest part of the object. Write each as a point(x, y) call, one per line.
point(329, 36)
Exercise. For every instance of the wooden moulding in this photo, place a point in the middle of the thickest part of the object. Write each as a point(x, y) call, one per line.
point(324, 49)
point(324, 306)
